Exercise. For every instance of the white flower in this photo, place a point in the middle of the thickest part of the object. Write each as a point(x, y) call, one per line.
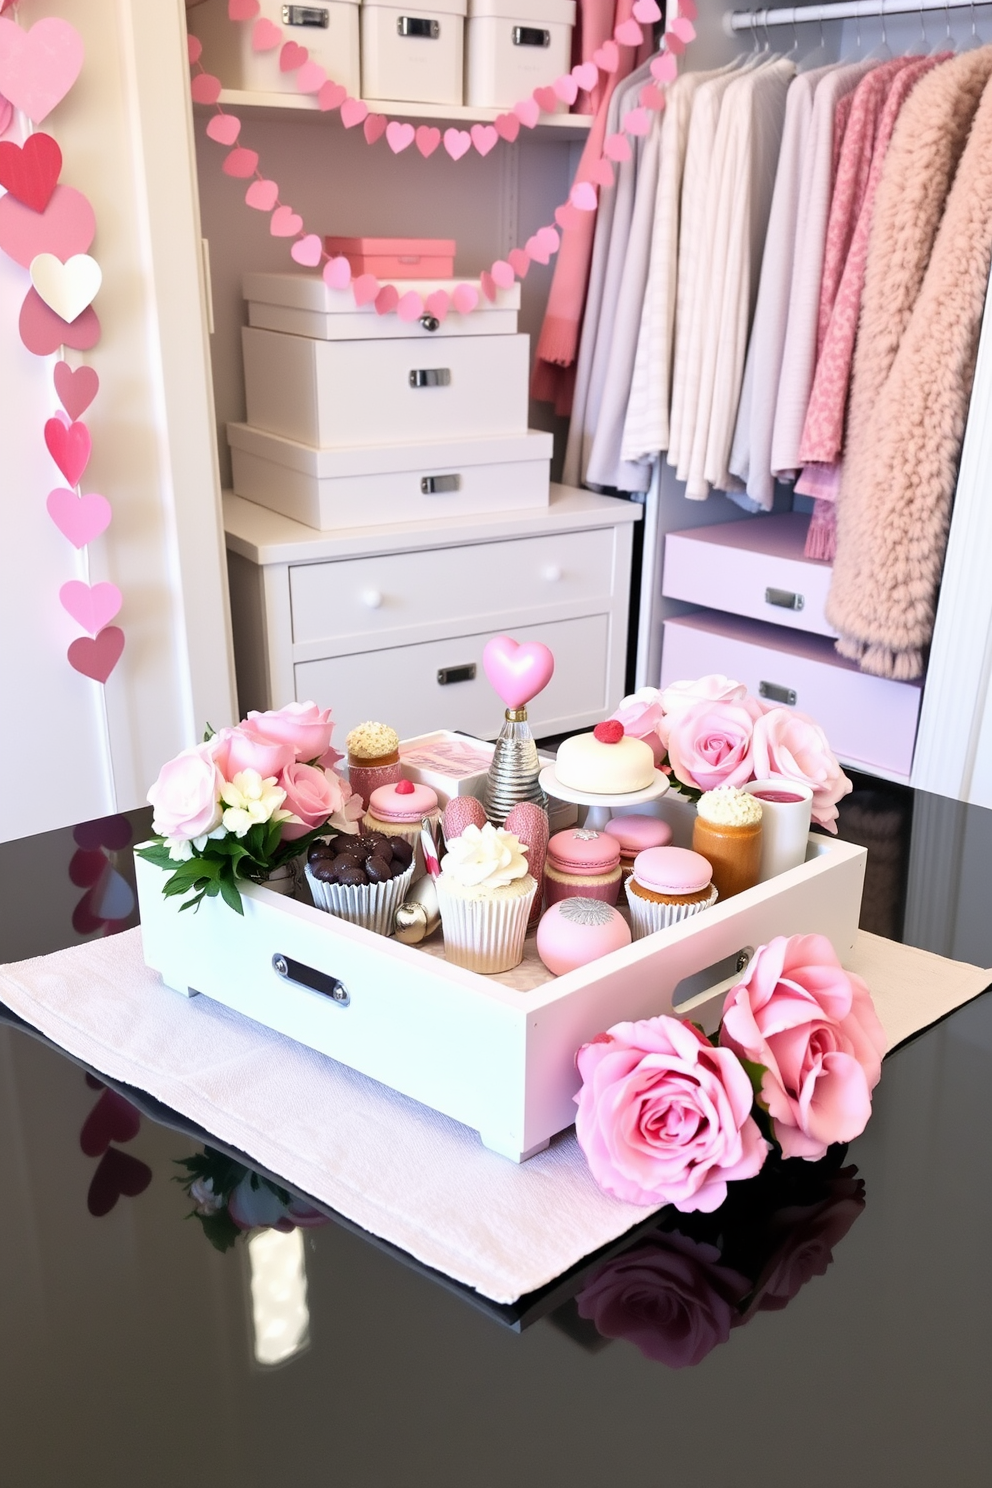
point(201, 1191)
point(250, 799)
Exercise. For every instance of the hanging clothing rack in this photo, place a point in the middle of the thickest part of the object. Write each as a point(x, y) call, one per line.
point(840, 10)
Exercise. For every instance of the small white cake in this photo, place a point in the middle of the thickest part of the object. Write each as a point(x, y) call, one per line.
point(606, 762)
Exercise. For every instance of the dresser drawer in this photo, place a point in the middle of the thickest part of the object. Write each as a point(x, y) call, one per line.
point(334, 393)
point(480, 584)
point(403, 685)
point(755, 568)
point(870, 721)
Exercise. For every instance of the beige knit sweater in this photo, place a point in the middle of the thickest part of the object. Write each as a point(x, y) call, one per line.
point(925, 283)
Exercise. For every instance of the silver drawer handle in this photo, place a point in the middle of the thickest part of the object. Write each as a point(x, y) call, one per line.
point(530, 36)
point(785, 599)
point(418, 26)
point(434, 485)
point(430, 377)
point(308, 976)
point(447, 675)
point(306, 15)
point(776, 694)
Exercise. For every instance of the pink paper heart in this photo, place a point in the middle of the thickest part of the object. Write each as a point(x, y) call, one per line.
point(224, 128)
point(411, 306)
point(566, 88)
point(674, 43)
point(79, 518)
point(76, 389)
point(665, 67)
point(69, 446)
point(43, 332)
point(651, 98)
point(399, 136)
point(437, 303)
point(465, 298)
point(517, 672)
point(646, 11)
point(583, 196)
point(91, 605)
point(292, 56)
point(353, 111)
point(456, 142)
point(527, 111)
point(535, 249)
point(628, 33)
point(507, 126)
point(688, 9)
point(387, 299)
point(616, 147)
point(307, 251)
point(38, 67)
point(205, 88)
point(682, 27)
point(194, 51)
point(311, 77)
point(365, 288)
point(487, 285)
point(285, 223)
point(262, 195)
point(66, 227)
point(484, 138)
point(374, 127)
point(586, 74)
point(546, 99)
point(337, 273)
point(331, 96)
point(97, 657)
point(242, 10)
point(636, 121)
point(567, 217)
point(428, 138)
point(502, 273)
point(548, 239)
point(519, 262)
point(601, 172)
point(607, 57)
point(240, 163)
point(265, 35)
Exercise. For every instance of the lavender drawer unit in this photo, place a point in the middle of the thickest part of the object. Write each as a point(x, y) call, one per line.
point(870, 721)
point(755, 567)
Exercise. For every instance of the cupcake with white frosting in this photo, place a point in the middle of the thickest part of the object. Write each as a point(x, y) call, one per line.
point(485, 892)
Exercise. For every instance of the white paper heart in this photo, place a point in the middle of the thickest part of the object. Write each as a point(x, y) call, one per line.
point(67, 288)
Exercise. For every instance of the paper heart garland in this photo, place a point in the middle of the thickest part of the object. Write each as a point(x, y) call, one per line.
point(410, 306)
point(353, 111)
point(31, 171)
point(240, 163)
point(311, 77)
point(224, 128)
point(43, 332)
point(38, 67)
point(374, 127)
point(118, 1175)
point(331, 96)
point(91, 605)
point(112, 832)
point(85, 869)
point(70, 447)
point(112, 1119)
point(285, 223)
point(242, 10)
point(428, 138)
point(518, 671)
point(457, 142)
point(507, 126)
point(205, 88)
point(484, 138)
point(337, 273)
point(66, 227)
point(67, 288)
point(97, 657)
point(399, 136)
point(292, 56)
point(79, 518)
point(262, 195)
point(307, 251)
point(265, 36)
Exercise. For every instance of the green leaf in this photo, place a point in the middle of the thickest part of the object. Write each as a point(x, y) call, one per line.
point(208, 733)
point(219, 1229)
point(157, 853)
point(755, 1073)
point(232, 897)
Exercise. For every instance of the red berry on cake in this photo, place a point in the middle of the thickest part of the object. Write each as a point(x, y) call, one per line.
point(404, 787)
point(609, 732)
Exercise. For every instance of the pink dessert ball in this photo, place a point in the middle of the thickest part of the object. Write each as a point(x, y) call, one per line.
point(576, 931)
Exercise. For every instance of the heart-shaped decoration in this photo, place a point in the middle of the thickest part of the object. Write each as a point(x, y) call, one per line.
point(607, 57)
point(536, 251)
point(548, 239)
point(76, 389)
point(411, 306)
point(79, 518)
point(586, 74)
point(484, 138)
point(30, 172)
point(205, 88)
point(337, 273)
point(465, 298)
point(118, 1175)
point(292, 56)
point(38, 67)
point(331, 96)
point(84, 921)
point(242, 10)
point(70, 447)
point(112, 1119)
point(601, 172)
point(628, 33)
point(96, 657)
point(583, 196)
point(285, 223)
point(438, 303)
point(457, 142)
point(687, 8)
point(307, 251)
point(224, 128)
point(43, 332)
point(91, 605)
point(546, 99)
point(518, 672)
point(66, 288)
point(311, 77)
point(66, 227)
point(353, 111)
point(674, 43)
point(241, 163)
point(428, 138)
point(374, 127)
point(651, 98)
point(518, 261)
point(566, 88)
point(665, 67)
point(262, 195)
point(507, 126)
point(365, 288)
point(112, 832)
point(636, 121)
point(616, 147)
point(399, 136)
point(265, 35)
point(567, 217)
point(647, 12)
point(502, 273)
point(85, 869)
point(488, 285)
point(527, 111)
point(387, 299)
point(194, 51)
point(682, 27)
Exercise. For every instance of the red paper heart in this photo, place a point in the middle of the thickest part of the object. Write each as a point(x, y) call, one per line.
point(428, 138)
point(374, 127)
point(194, 48)
point(241, 163)
point(30, 171)
point(112, 832)
point(70, 447)
point(331, 96)
point(112, 1119)
point(79, 518)
point(387, 299)
point(205, 88)
point(507, 126)
point(118, 1175)
point(66, 227)
point(292, 56)
point(487, 285)
point(85, 868)
point(96, 657)
point(76, 388)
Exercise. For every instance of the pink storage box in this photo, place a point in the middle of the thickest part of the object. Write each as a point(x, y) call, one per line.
point(396, 258)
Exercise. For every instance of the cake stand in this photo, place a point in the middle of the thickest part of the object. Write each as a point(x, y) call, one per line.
point(599, 807)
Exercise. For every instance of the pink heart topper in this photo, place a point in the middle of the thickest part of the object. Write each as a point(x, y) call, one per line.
point(38, 67)
point(518, 671)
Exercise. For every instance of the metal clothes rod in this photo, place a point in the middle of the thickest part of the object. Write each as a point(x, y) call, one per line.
point(840, 10)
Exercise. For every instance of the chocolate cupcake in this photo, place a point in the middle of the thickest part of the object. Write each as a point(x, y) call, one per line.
point(362, 879)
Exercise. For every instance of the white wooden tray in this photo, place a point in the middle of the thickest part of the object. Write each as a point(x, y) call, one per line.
point(497, 1056)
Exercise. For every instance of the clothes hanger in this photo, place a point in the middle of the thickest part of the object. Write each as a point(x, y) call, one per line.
point(883, 51)
point(818, 56)
point(974, 40)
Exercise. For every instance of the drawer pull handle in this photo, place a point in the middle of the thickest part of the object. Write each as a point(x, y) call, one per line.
point(372, 599)
point(785, 599)
point(306, 15)
point(776, 694)
point(530, 36)
point(307, 976)
point(434, 485)
point(447, 675)
point(430, 377)
point(552, 573)
point(430, 322)
point(418, 26)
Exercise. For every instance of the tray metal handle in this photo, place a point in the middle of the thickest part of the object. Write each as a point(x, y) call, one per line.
point(309, 977)
point(720, 976)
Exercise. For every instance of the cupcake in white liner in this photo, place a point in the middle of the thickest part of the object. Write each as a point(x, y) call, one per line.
point(485, 893)
point(370, 904)
point(666, 885)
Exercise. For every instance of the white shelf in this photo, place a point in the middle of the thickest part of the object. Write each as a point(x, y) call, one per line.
point(272, 105)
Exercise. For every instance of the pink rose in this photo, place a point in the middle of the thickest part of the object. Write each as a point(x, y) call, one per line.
point(641, 715)
point(664, 1117)
point(807, 1237)
point(668, 1297)
point(792, 745)
point(186, 795)
point(678, 696)
point(242, 748)
point(311, 794)
point(813, 1027)
point(709, 744)
point(304, 726)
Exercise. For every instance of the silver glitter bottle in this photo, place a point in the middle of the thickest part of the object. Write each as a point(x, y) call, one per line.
point(513, 774)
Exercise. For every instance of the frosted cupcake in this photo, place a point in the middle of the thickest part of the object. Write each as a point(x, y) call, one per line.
point(373, 758)
point(485, 892)
point(398, 811)
point(668, 884)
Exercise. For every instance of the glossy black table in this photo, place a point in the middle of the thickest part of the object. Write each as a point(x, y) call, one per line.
point(839, 1314)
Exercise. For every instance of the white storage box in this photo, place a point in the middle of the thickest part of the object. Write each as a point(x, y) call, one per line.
point(303, 305)
point(328, 30)
point(480, 1049)
point(334, 393)
point(455, 764)
point(368, 486)
point(515, 46)
point(413, 55)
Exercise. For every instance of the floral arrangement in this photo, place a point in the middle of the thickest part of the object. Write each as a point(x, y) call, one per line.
point(712, 732)
point(247, 801)
point(667, 1116)
point(229, 1200)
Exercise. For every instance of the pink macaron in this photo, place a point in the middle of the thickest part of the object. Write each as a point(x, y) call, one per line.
point(668, 884)
point(579, 930)
point(581, 862)
point(402, 802)
point(636, 834)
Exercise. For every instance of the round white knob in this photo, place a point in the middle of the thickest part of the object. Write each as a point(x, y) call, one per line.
point(372, 599)
point(551, 572)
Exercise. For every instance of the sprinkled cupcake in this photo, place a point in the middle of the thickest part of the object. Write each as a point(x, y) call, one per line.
point(373, 758)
